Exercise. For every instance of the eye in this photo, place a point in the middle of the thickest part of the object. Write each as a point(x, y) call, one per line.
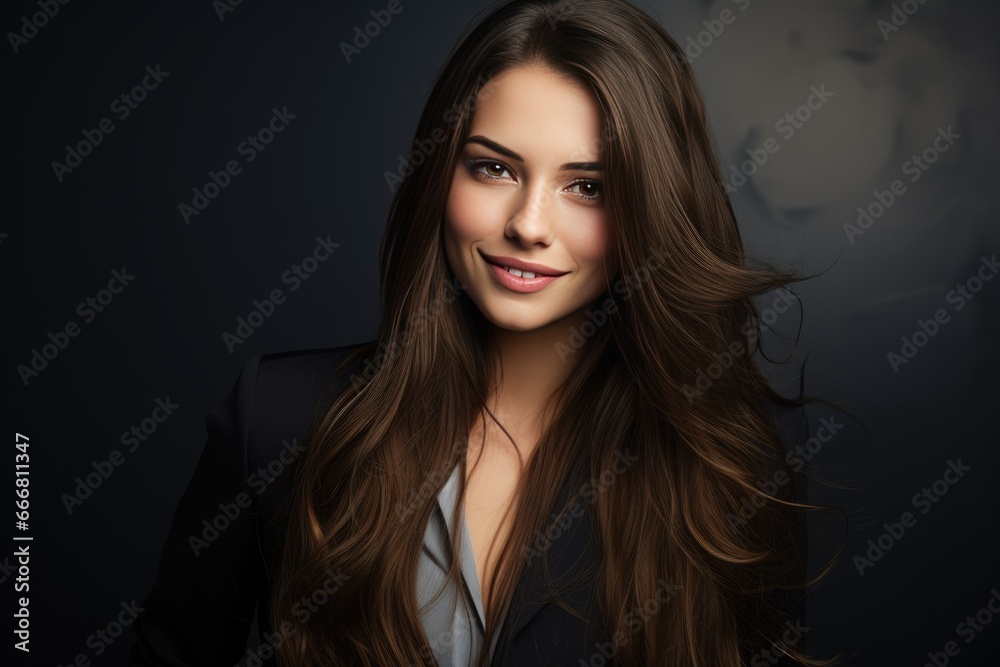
point(493, 170)
point(590, 190)
point(490, 170)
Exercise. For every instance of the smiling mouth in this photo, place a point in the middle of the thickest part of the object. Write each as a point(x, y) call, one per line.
point(520, 280)
point(519, 273)
point(522, 272)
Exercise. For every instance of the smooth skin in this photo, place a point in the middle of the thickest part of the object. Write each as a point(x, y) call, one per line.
point(536, 210)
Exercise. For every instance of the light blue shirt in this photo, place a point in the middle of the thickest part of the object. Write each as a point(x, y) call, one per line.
point(456, 624)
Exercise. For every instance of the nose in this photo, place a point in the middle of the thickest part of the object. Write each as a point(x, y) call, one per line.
point(532, 222)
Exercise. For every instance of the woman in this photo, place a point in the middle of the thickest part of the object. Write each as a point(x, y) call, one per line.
point(564, 372)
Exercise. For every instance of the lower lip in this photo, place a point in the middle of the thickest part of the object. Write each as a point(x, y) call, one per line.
point(525, 285)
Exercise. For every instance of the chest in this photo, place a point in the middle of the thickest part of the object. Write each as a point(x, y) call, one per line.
point(491, 484)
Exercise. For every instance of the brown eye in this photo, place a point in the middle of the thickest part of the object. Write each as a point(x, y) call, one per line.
point(488, 169)
point(590, 190)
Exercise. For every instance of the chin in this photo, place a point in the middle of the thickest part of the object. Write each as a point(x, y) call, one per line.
point(507, 318)
point(512, 322)
point(517, 325)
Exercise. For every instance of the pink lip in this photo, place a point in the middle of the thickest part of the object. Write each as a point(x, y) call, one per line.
point(510, 281)
point(537, 269)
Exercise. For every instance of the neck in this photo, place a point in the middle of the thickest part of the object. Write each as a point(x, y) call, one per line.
point(535, 365)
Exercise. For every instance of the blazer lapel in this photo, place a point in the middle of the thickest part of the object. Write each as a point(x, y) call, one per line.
point(446, 500)
point(572, 557)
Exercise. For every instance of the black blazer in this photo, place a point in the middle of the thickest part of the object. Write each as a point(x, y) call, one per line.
point(221, 553)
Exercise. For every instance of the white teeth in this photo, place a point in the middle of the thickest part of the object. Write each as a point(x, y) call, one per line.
point(519, 273)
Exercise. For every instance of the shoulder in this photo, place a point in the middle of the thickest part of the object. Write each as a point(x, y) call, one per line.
point(275, 397)
point(290, 389)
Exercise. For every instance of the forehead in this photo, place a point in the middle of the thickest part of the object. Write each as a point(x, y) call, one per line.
point(534, 111)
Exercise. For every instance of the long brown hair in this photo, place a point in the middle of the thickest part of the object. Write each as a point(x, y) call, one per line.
point(698, 454)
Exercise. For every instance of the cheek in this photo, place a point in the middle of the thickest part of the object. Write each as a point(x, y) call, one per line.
point(587, 240)
point(467, 215)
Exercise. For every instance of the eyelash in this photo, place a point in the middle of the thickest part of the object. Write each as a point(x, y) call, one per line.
point(474, 169)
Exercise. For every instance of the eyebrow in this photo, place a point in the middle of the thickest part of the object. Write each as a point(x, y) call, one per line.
point(503, 150)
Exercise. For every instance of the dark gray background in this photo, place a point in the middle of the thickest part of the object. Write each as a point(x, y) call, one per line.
point(324, 176)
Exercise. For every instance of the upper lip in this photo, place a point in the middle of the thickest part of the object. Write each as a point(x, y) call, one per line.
point(537, 269)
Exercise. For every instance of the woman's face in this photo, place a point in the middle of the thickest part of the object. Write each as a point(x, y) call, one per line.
point(526, 193)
